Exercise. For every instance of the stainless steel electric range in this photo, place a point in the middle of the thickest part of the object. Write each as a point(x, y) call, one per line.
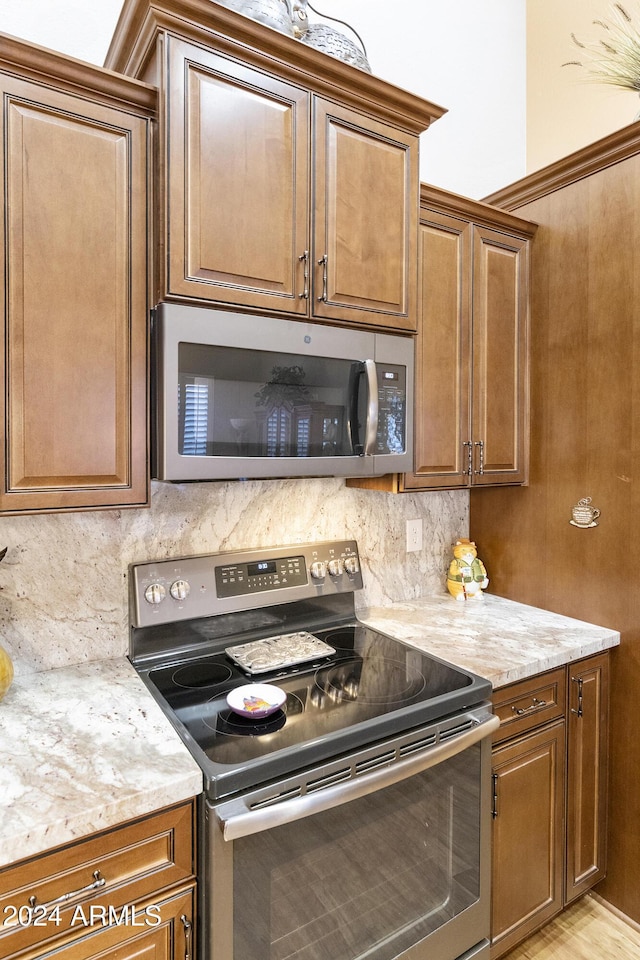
point(351, 822)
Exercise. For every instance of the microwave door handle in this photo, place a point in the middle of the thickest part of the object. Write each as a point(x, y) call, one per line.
point(355, 373)
point(371, 429)
point(358, 370)
point(237, 819)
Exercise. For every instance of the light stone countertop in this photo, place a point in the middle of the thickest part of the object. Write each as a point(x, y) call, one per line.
point(496, 638)
point(84, 748)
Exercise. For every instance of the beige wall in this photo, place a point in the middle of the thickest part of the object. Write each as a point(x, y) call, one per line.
point(564, 110)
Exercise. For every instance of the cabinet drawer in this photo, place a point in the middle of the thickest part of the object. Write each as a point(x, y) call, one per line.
point(162, 928)
point(45, 896)
point(529, 703)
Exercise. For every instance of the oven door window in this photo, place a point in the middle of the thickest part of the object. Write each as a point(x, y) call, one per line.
point(368, 879)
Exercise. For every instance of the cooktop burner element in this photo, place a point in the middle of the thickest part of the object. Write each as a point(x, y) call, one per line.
point(401, 684)
point(345, 684)
point(207, 673)
point(234, 725)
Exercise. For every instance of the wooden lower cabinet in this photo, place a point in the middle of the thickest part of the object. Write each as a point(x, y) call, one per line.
point(550, 796)
point(124, 893)
point(587, 775)
point(528, 847)
point(165, 932)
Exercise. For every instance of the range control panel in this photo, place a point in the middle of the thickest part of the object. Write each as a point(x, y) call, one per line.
point(165, 591)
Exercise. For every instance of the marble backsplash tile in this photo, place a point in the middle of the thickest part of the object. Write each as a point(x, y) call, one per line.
point(63, 582)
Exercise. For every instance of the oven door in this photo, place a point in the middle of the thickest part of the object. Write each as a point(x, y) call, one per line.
point(382, 854)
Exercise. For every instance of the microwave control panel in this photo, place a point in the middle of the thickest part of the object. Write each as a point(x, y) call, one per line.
point(391, 435)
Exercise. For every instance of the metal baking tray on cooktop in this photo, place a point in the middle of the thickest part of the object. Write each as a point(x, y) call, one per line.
point(277, 653)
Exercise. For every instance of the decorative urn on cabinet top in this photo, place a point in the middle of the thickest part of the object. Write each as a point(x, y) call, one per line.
point(291, 18)
point(277, 14)
point(323, 37)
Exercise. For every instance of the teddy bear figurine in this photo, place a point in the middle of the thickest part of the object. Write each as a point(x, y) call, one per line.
point(467, 577)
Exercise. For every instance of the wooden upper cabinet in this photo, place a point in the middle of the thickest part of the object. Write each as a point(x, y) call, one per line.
point(443, 355)
point(238, 174)
point(74, 215)
point(365, 219)
point(254, 233)
point(289, 180)
point(248, 224)
point(471, 410)
point(499, 430)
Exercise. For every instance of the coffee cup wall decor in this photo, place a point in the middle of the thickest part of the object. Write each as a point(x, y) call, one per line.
point(584, 514)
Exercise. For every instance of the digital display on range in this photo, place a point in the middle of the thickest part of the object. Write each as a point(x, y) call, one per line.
point(241, 579)
point(261, 567)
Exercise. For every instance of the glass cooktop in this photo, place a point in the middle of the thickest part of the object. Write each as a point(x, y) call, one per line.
point(370, 687)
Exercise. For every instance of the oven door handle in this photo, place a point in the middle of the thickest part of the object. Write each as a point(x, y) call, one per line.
point(237, 819)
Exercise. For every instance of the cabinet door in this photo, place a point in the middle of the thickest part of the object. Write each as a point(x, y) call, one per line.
point(442, 355)
point(528, 835)
point(74, 216)
point(500, 388)
point(237, 183)
point(588, 698)
point(366, 219)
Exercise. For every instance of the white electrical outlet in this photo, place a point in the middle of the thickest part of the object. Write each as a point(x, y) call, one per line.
point(414, 535)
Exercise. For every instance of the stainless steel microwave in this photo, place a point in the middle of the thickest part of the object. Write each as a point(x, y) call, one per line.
point(238, 396)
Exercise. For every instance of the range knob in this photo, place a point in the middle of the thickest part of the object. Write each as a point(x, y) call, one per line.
point(351, 565)
point(336, 567)
point(318, 570)
point(155, 593)
point(180, 589)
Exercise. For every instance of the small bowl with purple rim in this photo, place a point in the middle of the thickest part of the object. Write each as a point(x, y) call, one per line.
point(256, 700)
